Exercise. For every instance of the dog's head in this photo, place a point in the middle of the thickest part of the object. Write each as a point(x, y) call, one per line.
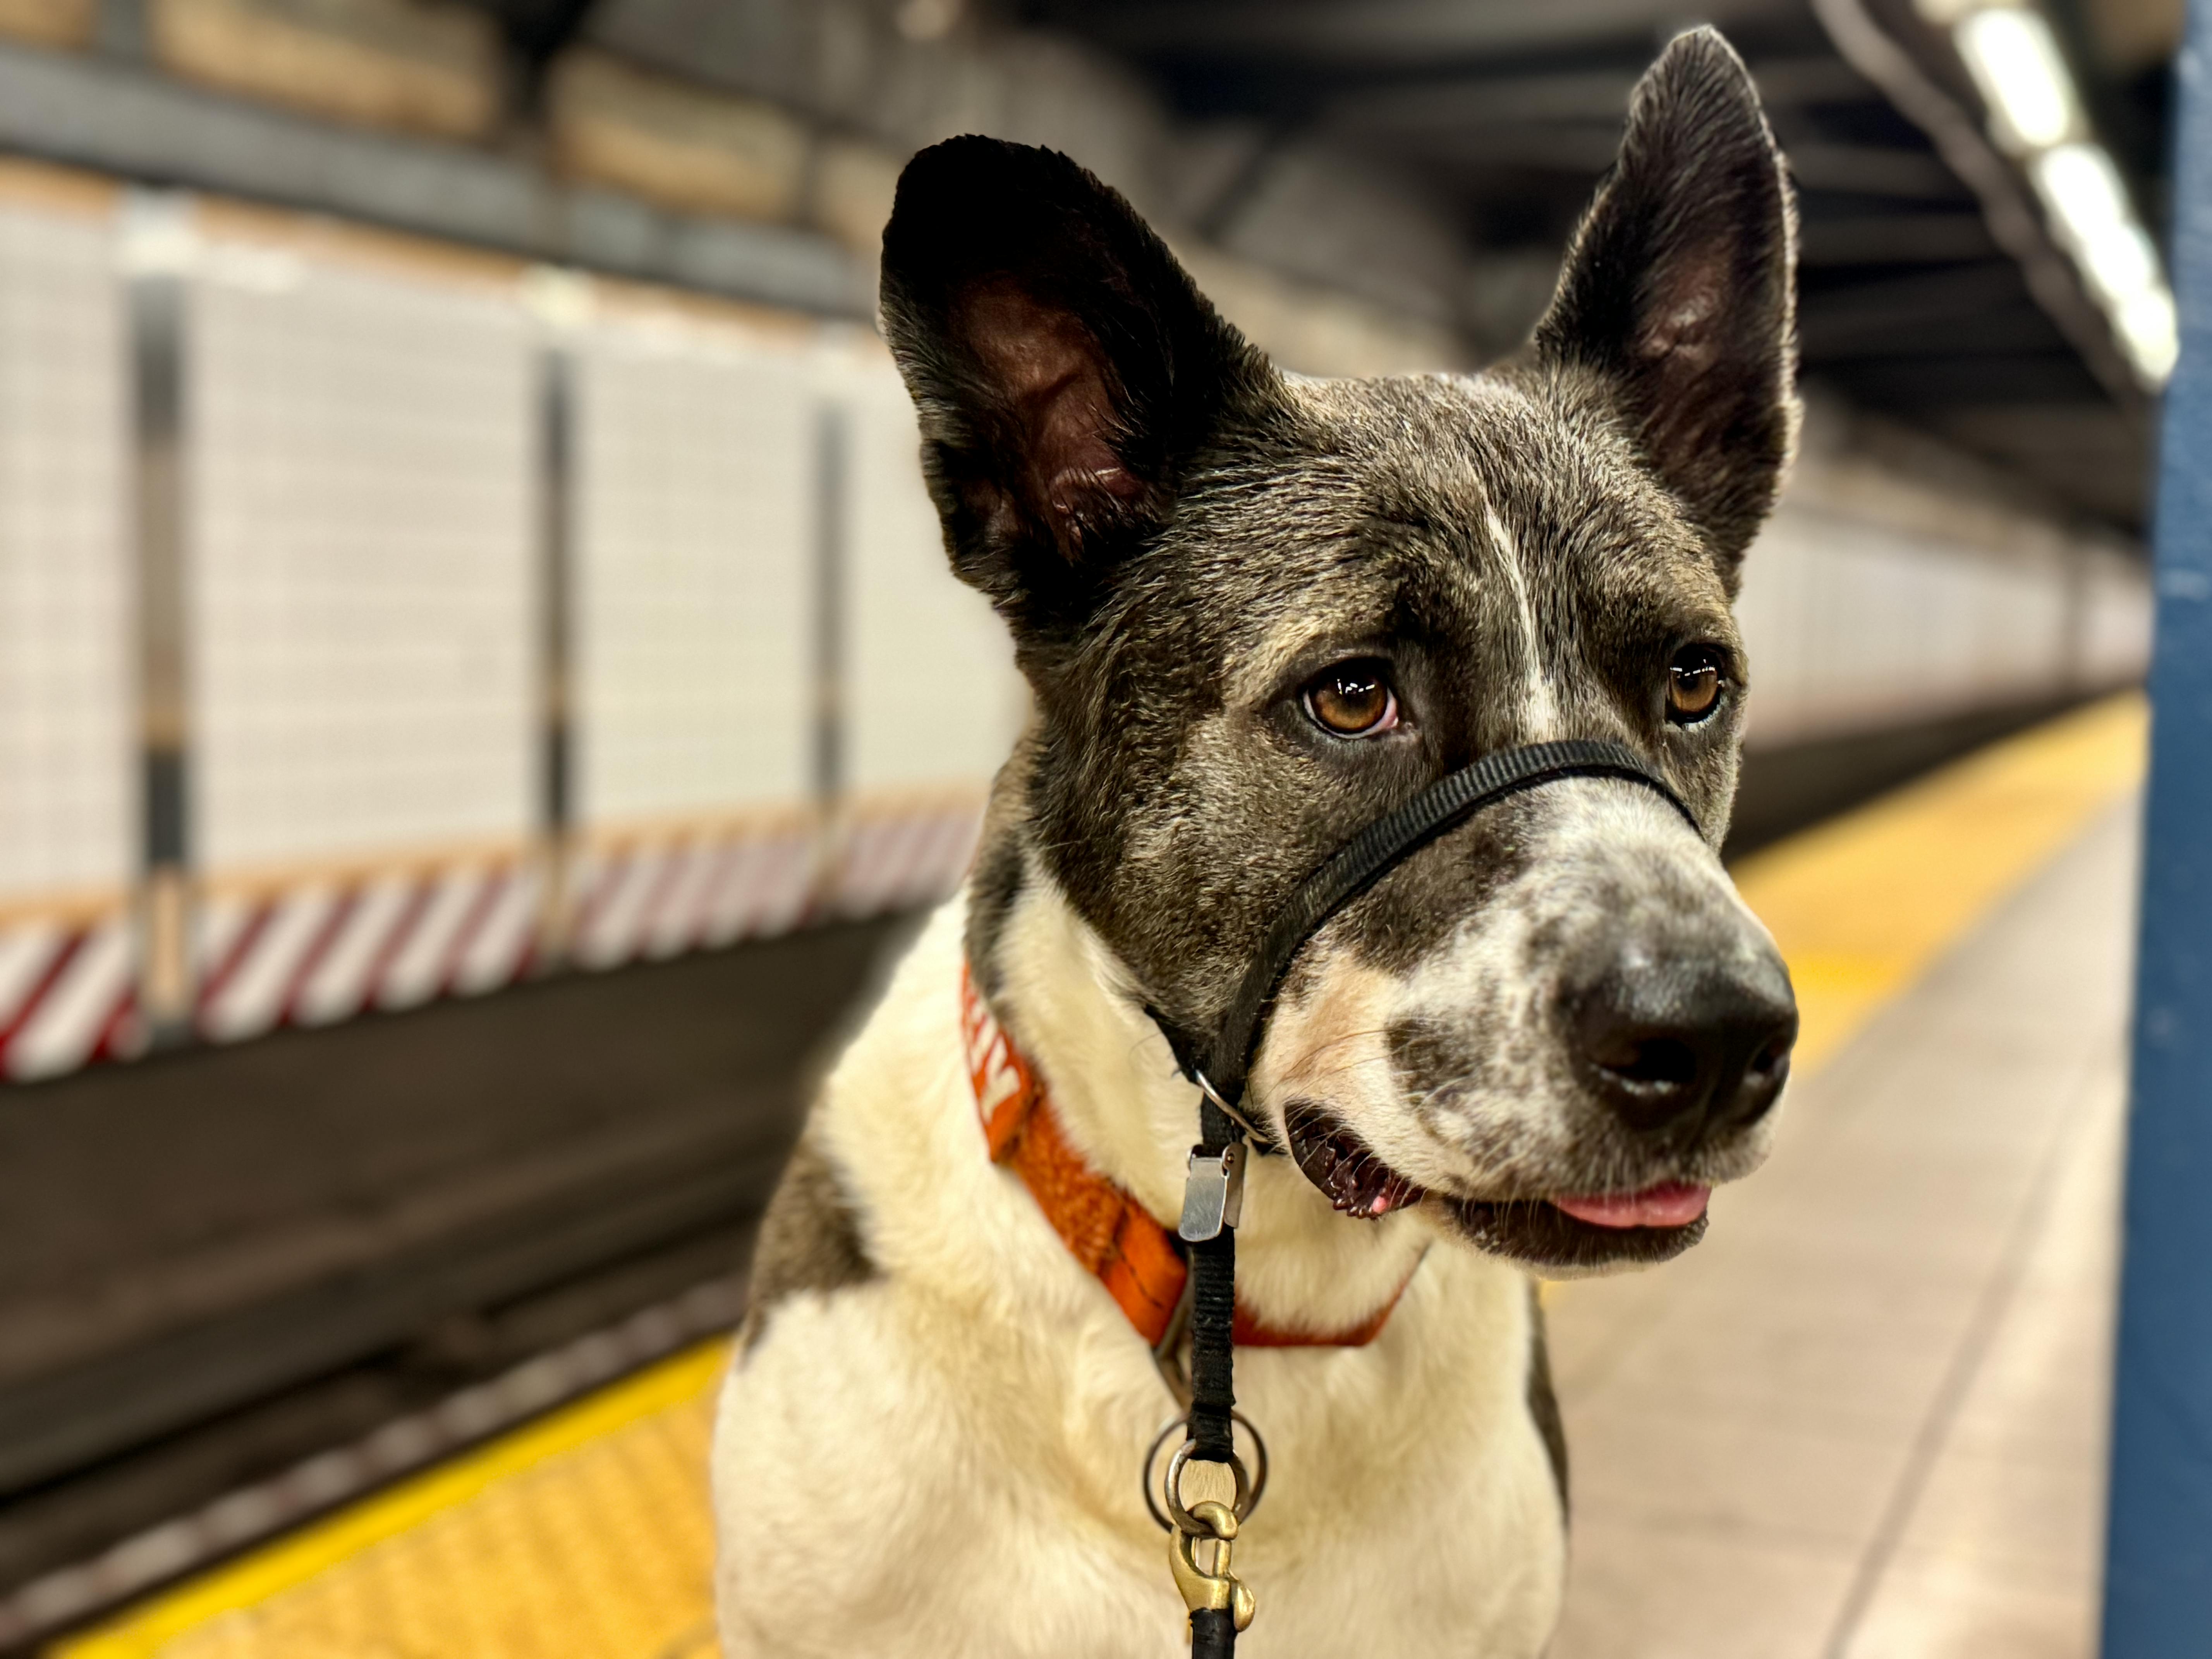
point(1258, 612)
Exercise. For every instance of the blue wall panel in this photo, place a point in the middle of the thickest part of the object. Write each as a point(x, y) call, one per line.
point(2159, 1571)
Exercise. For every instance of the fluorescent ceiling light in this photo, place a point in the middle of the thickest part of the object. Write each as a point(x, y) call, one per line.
point(2121, 265)
point(2016, 64)
point(2091, 215)
point(2034, 111)
point(2089, 210)
point(2150, 333)
point(2082, 190)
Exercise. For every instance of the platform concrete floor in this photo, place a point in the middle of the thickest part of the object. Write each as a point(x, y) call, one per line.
point(1865, 1419)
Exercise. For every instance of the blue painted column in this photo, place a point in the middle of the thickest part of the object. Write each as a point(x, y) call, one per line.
point(2158, 1591)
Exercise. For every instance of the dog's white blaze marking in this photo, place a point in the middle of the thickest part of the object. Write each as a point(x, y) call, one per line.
point(1543, 714)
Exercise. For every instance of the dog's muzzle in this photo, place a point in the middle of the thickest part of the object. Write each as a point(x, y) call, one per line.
point(1221, 1067)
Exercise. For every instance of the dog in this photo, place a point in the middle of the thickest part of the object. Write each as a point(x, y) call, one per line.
point(1256, 612)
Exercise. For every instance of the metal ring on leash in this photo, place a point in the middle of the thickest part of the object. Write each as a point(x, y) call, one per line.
point(1249, 1488)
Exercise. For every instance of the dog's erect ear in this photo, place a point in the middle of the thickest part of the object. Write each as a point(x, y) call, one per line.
point(1064, 367)
point(1679, 287)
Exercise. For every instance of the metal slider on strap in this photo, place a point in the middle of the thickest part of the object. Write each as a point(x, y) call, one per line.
point(1212, 1192)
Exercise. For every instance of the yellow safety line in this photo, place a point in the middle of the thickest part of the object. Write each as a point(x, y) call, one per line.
point(1862, 905)
point(255, 1578)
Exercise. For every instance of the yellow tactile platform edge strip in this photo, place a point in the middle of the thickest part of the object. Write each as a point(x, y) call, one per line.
point(586, 1536)
point(1864, 904)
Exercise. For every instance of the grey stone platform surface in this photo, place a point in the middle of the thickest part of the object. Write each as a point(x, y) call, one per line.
point(1865, 1419)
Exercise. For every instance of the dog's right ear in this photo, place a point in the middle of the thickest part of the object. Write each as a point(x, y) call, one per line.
point(1064, 367)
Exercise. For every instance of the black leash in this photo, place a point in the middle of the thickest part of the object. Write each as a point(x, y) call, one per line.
point(1213, 1189)
point(1212, 1348)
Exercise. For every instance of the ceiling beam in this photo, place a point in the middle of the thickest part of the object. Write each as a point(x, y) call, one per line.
point(1839, 315)
point(1918, 387)
point(1491, 97)
point(2018, 329)
point(1388, 30)
point(89, 112)
point(1808, 82)
point(1915, 175)
point(1580, 151)
point(1894, 238)
point(1489, 100)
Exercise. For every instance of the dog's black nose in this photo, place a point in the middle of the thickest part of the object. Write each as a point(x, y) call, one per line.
point(1685, 1045)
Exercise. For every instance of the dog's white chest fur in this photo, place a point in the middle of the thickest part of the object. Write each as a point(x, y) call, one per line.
point(943, 1459)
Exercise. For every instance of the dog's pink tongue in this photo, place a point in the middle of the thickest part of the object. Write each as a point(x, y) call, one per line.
point(1675, 1204)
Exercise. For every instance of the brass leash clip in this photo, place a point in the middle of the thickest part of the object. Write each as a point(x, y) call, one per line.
point(1214, 1587)
point(1217, 1589)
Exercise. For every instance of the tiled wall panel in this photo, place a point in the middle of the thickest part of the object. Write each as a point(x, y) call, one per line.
point(2115, 631)
point(67, 686)
point(362, 592)
point(1855, 624)
point(933, 696)
point(694, 563)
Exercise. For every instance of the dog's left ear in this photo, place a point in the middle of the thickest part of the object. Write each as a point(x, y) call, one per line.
point(1679, 292)
point(1064, 367)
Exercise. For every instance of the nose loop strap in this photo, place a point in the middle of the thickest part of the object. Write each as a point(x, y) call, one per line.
point(1373, 854)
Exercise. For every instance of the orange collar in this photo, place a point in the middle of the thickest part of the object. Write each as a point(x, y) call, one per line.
point(1113, 1235)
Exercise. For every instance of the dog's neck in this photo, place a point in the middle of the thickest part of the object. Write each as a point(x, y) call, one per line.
point(1072, 1010)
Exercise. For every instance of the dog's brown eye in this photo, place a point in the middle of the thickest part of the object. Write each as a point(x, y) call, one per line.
point(1354, 700)
point(1693, 684)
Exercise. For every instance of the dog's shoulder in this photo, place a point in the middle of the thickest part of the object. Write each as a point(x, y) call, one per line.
point(889, 1171)
point(810, 1238)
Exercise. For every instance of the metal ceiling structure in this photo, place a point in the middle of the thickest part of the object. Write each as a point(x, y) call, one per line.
point(1930, 289)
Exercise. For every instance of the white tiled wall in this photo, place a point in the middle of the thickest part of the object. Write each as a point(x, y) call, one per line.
point(933, 696)
point(67, 690)
point(2115, 630)
point(694, 565)
point(361, 576)
point(1853, 624)
point(364, 611)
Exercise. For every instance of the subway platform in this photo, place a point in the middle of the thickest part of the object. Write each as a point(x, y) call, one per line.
point(1864, 1420)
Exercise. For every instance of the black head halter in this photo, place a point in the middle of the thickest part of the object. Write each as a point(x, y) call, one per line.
point(1221, 1067)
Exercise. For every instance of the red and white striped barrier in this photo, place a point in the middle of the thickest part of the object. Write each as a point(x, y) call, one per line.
point(66, 995)
point(323, 950)
point(903, 856)
point(652, 901)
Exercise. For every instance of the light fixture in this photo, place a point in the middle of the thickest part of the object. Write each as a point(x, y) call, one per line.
point(2089, 210)
point(2081, 190)
point(2151, 332)
point(2121, 263)
point(2035, 114)
point(2016, 66)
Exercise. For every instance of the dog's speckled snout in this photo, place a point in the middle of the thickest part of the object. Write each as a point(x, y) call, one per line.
point(1682, 1037)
